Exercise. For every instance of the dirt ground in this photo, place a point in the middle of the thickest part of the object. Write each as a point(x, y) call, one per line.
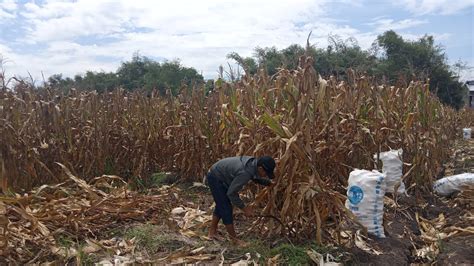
point(406, 235)
point(403, 235)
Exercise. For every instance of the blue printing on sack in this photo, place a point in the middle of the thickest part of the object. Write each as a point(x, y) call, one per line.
point(355, 195)
point(376, 228)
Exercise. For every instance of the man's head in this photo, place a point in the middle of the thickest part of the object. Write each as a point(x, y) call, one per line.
point(266, 166)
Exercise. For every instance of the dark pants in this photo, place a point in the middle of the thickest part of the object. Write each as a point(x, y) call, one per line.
point(223, 208)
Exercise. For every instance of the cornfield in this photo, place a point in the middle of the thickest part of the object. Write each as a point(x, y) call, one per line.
point(318, 129)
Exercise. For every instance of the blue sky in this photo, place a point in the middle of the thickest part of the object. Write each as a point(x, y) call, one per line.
point(71, 37)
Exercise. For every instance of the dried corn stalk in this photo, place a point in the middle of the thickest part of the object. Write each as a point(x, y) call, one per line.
point(318, 129)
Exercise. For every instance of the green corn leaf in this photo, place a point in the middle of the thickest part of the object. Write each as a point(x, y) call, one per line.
point(274, 125)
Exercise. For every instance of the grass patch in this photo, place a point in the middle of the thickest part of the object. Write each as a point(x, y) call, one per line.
point(152, 240)
point(65, 241)
point(155, 180)
point(258, 246)
point(290, 254)
point(109, 168)
point(113, 232)
point(158, 179)
point(84, 258)
point(293, 255)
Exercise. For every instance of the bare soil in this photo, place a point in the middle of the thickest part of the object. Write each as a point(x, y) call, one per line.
point(403, 235)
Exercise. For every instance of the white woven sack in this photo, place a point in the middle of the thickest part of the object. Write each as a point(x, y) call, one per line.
point(393, 170)
point(365, 195)
point(450, 184)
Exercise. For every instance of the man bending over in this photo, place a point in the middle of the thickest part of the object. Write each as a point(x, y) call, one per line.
point(226, 178)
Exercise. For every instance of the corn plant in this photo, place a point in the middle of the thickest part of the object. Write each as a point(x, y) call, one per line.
point(318, 130)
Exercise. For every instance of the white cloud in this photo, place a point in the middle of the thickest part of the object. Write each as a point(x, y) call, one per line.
point(5, 15)
point(384, 24)
point(4, 50)
point(7, 9)
point(9, 5)
point(443, 7)
point(201, 33)
point(68, 36)
point(436, 36)
point(66, 20)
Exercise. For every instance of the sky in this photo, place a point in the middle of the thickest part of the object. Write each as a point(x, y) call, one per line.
point(43, 38)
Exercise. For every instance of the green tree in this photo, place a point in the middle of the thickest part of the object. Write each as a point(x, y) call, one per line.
point(170, 75)
point(139, 73)
point(334, 60)
point(131, 74)
point(99, 81)
point(341, 55)
point(58, 81)
point(291, 55)
point(391, 59)
point(403, 60)
point(247, 63)
point(269, 59)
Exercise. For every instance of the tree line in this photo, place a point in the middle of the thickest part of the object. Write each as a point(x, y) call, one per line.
point(391, 59)
point(139, 73)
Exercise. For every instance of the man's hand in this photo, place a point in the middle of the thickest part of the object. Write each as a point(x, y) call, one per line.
point(263, 181)
point(248, 211)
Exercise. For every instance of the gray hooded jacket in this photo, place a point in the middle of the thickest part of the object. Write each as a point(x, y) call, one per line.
point(235, 173)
